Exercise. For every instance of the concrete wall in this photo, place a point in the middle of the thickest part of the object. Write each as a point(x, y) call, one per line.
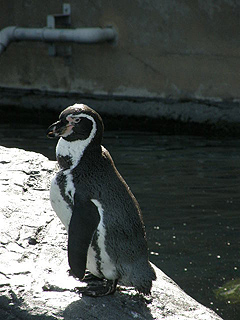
point(180, 49)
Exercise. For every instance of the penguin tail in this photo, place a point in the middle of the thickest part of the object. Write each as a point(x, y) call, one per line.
point(144, 284)
point(140, 277)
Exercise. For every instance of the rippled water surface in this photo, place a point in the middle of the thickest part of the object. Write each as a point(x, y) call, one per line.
point(188, 189)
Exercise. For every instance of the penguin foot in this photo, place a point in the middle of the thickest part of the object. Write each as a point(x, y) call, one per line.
point(109, 287)
point(90, 277)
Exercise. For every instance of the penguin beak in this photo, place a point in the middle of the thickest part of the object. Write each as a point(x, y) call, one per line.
point(58, 129)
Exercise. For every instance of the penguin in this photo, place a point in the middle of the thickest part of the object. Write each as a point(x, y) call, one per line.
point(106, 233)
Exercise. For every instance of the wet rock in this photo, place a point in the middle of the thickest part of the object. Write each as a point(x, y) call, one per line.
point(34, 282)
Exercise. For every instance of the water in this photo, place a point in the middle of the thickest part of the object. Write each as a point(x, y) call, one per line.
point(188, 189)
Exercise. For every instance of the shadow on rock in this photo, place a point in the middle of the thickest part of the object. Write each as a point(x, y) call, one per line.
point(120, 306)
point(12, 307)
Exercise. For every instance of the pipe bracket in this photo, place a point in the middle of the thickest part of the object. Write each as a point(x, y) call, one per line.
point(55, 20)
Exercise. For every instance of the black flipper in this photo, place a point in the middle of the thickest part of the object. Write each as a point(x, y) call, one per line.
point(84, 222)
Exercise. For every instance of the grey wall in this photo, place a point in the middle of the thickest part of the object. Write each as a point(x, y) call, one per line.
point(166, 48)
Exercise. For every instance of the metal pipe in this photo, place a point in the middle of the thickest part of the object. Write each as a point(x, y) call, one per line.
point(6, 36)
point(79, 35)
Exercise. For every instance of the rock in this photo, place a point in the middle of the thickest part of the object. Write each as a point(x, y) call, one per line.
point(34, 282)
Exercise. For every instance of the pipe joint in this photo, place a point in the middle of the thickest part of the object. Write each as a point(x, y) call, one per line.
point(6, 37)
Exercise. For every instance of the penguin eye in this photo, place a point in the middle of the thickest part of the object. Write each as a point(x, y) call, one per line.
point(76, 120)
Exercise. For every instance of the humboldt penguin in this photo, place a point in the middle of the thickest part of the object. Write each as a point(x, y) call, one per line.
point(106, 234)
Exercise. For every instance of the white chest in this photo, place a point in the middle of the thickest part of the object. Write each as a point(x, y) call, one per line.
point(58, 198)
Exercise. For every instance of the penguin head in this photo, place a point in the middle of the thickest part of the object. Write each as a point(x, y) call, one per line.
point(78, 122)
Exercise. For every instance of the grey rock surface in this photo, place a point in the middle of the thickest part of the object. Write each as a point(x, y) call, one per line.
point(34, 282)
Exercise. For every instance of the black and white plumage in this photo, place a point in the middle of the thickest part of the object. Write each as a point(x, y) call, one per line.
point(106, 234)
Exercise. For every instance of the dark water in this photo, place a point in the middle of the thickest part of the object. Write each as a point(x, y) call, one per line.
point(188, 189)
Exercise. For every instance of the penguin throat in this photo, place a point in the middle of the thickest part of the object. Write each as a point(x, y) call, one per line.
point(69, 153)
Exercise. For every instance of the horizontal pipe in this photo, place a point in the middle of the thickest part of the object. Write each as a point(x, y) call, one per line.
point(79, 35)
